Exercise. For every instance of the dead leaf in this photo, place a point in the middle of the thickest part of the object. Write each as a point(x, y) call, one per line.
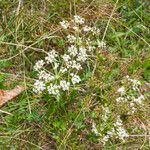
point(7, 95)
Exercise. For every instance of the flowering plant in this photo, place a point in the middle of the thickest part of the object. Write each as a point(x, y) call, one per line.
point(110, 127)
point(130, 98)
point(59, 72)
point(130, 95)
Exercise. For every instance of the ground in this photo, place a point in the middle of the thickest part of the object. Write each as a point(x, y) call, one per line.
point(33, 121)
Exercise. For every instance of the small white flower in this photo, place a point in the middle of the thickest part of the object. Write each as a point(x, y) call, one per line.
point(63, 70)
point(75, 78)
point(69, 64)
point(88, 41)
point(76, 65)
point(121, 90)
point(39, 65)
point(53, 89)
point(76, 28)
point(86, 29)
point(82, 56)
point(82, 50)
point(135, 83)
point(43, 75)
point(132, 104)
point(79, 19)
point(71, 38)
point(65, 85)
point(122, 133)
point(95, 31)
point(94, 129)
point(119, 99)
point(51, 57)
point(39, 86)
point(133, 110)
point(105, 138)
point(101, 44)
point(72, 50)
point(64, 24)
point(139, 99)
point(118, 122)
point(56, 65)
point(66, 57)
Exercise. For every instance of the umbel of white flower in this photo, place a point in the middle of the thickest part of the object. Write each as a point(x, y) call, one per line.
point(39, 86)
point(52, 55)
point(65, 85)
point(75, 78)
point(39, 64)
point(64, 24)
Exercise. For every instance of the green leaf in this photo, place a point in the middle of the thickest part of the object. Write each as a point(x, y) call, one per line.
point(5, 64)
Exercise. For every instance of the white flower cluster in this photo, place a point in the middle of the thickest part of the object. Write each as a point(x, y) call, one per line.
point(39, 64)
point(94, 129)
point(79, 19)
point(135, 83)
point(64, 24)
point(121, 90)
point(53, 89)
point(59, 72)
point(130, 95)
point(116, 131)
point(52, 55)
point(121, 132)
point(39, 86)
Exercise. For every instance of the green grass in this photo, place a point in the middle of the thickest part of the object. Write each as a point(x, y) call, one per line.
point(40, 122)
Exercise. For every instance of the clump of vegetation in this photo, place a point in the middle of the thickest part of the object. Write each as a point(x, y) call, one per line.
point(86, 76)
point(80, 47)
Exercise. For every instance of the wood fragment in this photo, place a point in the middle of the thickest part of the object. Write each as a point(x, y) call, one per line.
point(7, 95)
